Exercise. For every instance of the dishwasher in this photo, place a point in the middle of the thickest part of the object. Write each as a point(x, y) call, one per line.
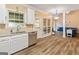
point(32, 38)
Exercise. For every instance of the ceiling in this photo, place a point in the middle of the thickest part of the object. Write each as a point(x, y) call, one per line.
point(53, 7)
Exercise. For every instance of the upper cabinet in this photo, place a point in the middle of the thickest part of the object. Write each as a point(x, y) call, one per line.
point(2, 13)
point(16, 7)
point(30, 16)
point(16, 12)
point(15, 15)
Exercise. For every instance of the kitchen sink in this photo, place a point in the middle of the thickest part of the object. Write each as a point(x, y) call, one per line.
point(18, 32)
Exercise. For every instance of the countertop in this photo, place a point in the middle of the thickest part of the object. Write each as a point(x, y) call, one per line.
point(15, 33)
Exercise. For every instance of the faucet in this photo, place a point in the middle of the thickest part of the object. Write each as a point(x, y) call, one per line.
point(18, 27)
point(11, 30)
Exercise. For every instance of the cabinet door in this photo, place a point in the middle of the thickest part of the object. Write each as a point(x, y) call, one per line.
point(18, 43)
point(4, 47)
point(31, 16)
point(2, 13)
point(39, 33)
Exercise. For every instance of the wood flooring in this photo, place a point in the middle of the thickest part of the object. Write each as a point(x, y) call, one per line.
point(53, 45)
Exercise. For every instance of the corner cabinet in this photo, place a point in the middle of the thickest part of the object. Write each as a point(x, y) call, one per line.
point(30, 16)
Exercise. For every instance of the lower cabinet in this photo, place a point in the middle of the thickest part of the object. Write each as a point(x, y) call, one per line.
point(4, 46)
point(39, 33)
point(17, 43)
point(12, 44)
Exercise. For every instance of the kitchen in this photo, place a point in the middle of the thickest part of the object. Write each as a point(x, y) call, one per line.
point(21, 26)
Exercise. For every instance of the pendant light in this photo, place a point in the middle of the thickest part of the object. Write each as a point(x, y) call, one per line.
point(56, 15)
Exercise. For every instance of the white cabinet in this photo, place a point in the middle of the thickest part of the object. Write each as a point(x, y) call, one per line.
point(12, 44)
point(4, 45)
point(18, 42)
point(47, 28)
point(2, 13)
point(39, 33)
point(30, 16)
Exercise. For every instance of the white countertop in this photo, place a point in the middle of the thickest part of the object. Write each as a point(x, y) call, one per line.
point(12, 34)
point(30, 31)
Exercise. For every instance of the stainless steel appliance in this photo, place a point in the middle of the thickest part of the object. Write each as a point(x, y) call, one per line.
point(32, 38)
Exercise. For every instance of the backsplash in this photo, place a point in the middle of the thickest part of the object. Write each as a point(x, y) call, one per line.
point(3, 29)
point(29, 26)
point(2, 26)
